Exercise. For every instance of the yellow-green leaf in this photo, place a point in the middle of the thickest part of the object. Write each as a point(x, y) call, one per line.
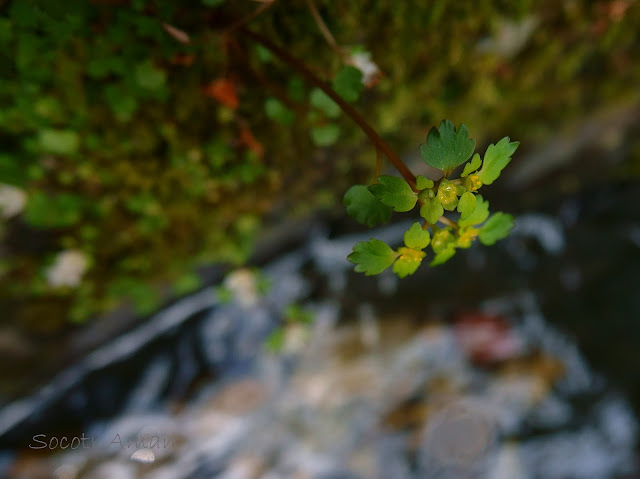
point(495, 159)
point(496, 228)
point(416, 237)
point(444, 256)
point(472, 166)
point(423, 183)
point(431, 210)
point(408, 261)
point(467, 205)
point(59, 142)
point(480, 213)
point(442, 240)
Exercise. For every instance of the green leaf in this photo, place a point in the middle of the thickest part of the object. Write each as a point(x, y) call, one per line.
point(275, 341)
point(263, 54)
point(480, 213)
point(187, 283)
point(276, 110)
point(47, 211)
point(321, 100)
point(144, 296)
point(447, 147)
point(496, 158)
point(59, 142)
point(325, 135)
point(23, 14)
point(472, 166)
point(295, 313)
point(431, 210)
point(408, 261)
point(372, 257)
point(12, 170)
point(149, 77)
point(348, 83)
point(444, 256)
point(423, 183)
point(467, 205)
point(296, 89)
point(223, 294)
point(122, 103)
point(496, 228)
point(395, 192)
point(364, 207)
point(212, 3)
point(417, 238)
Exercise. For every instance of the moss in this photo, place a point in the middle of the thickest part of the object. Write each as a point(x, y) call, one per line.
point(112, 111)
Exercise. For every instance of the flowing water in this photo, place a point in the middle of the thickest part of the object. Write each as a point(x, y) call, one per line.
point(456, 373)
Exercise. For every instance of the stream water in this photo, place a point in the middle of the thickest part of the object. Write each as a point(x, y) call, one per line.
point(467, 371)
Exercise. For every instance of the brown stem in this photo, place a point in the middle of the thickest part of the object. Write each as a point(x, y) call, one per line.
point(249, 17)
point(376, 139)
point(278, 92)
point(326, 33)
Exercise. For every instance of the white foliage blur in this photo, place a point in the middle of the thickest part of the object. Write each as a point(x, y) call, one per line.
point(12, 201)
point(67, 269)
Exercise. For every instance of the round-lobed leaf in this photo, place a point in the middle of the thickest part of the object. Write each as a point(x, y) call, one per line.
point(372, 257)
point(348, 83)
point(325, 135)
point(467, 205)
point(395, 192)
point(365, 208)
point(323, 102)
point(472, 166)
point(447, 147)
point(431, 210)
point(423, 183)
point(496, 158)
point(408, 261)
point(416, 237)
point(480, 213)
point(443, 256)
point(496, 228)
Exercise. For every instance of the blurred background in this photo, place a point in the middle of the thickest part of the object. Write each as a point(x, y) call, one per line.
point(173, 274)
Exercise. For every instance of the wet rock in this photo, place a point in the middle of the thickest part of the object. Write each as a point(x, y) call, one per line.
point(368, 394)
point(109, 470)
point(508, 464)
point(14, 345)
point(458, 437)
point(240, 397)
point(244, 467)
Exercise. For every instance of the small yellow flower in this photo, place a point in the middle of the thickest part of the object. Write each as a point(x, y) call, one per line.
point(411, 255)
point(472, 182)
point(448, 195)
point(467, 236)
